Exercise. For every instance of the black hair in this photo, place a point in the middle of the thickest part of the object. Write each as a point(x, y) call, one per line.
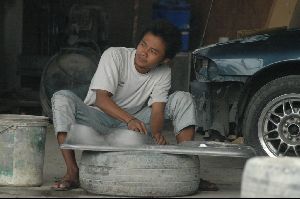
point(169, 33)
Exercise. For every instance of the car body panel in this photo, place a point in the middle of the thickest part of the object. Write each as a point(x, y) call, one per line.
point(245, 57)
point(228, 75)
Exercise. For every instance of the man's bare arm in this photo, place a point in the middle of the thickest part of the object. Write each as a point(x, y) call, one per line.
point(107, 105)
point(157, 122)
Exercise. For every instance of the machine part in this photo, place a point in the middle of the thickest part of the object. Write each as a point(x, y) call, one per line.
point(216, 105)
point(137, 173)
point(88, 22)
point(200, 93)
point(70, 69)
point(272, 120)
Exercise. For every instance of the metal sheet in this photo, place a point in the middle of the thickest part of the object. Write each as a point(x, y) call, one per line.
point(82, 137)
point(201, 148)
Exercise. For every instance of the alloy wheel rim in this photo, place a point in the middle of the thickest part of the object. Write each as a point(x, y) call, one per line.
point(279, 126)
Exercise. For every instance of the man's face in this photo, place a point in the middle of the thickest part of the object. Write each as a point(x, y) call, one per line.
point(149, 53)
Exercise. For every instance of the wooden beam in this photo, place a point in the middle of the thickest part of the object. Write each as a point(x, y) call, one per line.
point(295, 20)
point(281, 13)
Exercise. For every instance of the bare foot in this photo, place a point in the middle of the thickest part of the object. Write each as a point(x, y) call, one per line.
point(66, 183)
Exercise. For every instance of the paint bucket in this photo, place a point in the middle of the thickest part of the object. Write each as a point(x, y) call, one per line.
point(22, 146)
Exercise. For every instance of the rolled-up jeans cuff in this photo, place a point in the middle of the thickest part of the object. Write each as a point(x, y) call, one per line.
point(181, 127)
point(61, 128)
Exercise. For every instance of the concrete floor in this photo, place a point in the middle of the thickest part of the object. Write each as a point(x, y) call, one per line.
point(226, 172)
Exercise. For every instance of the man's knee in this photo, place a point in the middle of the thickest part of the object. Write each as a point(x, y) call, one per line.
point(182, 97)
point(63, 98)
point(62, 95)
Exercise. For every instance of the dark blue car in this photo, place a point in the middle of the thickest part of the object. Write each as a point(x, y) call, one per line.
point(250, 87)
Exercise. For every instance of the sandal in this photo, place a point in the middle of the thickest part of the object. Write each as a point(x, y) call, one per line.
point(205, 185)
point(65, 185)
point(215, 136)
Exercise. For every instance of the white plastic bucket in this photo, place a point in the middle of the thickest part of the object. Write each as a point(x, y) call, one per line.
point(22, 149)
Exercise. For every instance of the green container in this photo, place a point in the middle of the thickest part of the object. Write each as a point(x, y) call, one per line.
point(22, 149)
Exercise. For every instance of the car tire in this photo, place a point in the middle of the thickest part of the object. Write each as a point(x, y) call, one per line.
point(136, 173)
point(266, 177)
point(264, 109)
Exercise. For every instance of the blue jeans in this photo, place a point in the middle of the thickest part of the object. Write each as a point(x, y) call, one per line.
point(68, 109)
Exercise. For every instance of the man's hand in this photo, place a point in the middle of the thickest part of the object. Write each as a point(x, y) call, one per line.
point(157, 122)
point(160, 139)
point(108, 106)
point(137, 125)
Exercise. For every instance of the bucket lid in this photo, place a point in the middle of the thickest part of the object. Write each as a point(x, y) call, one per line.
point(28, 119)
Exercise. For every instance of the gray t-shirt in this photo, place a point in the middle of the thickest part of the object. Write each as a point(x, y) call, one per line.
point(117, 74)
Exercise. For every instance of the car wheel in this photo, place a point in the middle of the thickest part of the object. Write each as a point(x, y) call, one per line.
point(138, 173)
point(272, 119)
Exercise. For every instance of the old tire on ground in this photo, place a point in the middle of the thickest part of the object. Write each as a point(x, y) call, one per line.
point(272, 119)
point(271, 178)
point(136, 173)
